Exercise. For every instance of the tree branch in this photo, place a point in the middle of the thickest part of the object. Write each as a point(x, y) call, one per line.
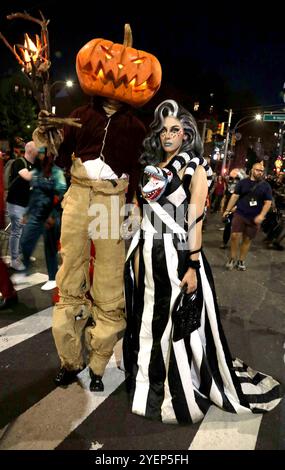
point(11, 49)
point(26, 16)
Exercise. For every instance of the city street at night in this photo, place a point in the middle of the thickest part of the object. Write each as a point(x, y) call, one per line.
point(142, 233)
point(37, 415)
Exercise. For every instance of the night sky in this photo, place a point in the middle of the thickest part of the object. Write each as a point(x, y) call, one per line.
point(219, 43)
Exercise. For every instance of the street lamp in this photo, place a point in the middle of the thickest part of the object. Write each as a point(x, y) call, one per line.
point(66, 84)
point(231, 132)
point(239, 124)
point(257, 117)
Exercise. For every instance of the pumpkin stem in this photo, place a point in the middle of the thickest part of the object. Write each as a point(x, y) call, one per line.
point(128, 37)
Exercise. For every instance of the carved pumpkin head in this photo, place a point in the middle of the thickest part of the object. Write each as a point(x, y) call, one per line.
point(118, 72)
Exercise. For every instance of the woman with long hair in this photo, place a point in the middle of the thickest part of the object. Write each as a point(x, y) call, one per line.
point(178, 370)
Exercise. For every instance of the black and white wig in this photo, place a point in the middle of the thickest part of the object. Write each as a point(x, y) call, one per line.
point(153, 152)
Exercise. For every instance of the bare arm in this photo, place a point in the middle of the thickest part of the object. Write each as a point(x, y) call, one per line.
point(260, 217)
point(231, 204)
point(26, 174)
point(199, 190)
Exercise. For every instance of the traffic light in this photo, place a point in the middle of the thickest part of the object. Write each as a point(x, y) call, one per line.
point(220, 129)
point(209, 135)
point(233, 140)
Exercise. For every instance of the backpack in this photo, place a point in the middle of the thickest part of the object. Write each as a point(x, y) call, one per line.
point(8, 171)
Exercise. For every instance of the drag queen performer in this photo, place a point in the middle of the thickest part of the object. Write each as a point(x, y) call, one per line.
point(177, 381)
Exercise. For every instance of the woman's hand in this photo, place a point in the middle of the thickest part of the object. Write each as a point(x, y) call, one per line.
point(190, 278)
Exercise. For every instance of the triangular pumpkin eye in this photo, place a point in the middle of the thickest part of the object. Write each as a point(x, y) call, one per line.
point(139, 61)
point(120, 66)
point(100, 73)
point(107, 52)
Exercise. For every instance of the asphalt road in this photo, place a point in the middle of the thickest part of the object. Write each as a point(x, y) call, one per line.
point(35, 415)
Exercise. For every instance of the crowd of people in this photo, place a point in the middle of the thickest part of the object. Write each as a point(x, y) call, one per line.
point(249, 204)
point(34, 189)
point(170, 195)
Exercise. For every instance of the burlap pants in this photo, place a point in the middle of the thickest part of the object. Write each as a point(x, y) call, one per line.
point(91, 210)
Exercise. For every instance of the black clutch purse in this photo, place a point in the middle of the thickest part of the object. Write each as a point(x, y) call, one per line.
point(186, 316)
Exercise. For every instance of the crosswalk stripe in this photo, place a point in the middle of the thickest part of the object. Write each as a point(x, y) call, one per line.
point(50, 421)
point(32, 280)
point(24, 329)
point(220, 430)
point(46, 424)
point(42, 417)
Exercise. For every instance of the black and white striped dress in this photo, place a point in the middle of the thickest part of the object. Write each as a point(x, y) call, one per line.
point(178, 381)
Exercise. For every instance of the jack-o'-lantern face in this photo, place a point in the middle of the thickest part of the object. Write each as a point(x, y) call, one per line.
point(118, 72)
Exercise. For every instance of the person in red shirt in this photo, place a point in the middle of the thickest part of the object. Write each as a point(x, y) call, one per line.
point(218, 193)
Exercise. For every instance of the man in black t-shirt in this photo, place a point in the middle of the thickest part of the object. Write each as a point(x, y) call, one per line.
point(253, 198)
point(18, 199)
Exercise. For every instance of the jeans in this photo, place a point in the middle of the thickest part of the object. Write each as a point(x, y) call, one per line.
point(32, 231)
point(51, 239)
point(16, 214)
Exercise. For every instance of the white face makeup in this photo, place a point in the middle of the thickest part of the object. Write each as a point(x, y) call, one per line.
point(171, 135)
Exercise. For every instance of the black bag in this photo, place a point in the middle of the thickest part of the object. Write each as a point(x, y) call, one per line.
point(186, 316)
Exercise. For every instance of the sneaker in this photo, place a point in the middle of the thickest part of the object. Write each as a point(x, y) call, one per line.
point(231, 264)
point(17, 265)
point(49, 285)
point(19, 279)
point(241, 266)
point(7, 260)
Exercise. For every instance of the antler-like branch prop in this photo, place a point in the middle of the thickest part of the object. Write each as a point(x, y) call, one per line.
point(35, 58)
point(25, 16)
point(43, 24)
point(12, 49)
point(36, 64)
